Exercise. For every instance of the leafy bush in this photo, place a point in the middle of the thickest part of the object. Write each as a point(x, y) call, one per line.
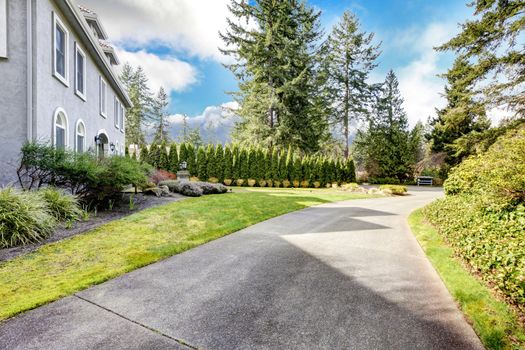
point(61, 205)
point(92, 180)
point(384, 181)
point(24, 218)
point(190, 189)
point(394, 189)
point(159, 175)
point(173, 185)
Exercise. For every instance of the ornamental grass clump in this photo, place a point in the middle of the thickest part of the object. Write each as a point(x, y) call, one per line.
point(63, 206)
point(24, 218)
point(398, 190)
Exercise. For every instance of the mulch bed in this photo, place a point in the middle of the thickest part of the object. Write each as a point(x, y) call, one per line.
point(141, 202)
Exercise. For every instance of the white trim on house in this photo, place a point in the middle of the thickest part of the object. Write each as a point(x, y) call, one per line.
point(3, 29)
point(79, 93)
point(60, 112)
point(57, 23)
point(122, 112)
point(77, 133)
point(103, 97)
point(116, 112)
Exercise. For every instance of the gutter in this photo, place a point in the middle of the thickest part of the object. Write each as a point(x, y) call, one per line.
point(29, 88)
point(80, 25)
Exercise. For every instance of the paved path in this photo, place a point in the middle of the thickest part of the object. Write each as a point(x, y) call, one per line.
point(339, 276)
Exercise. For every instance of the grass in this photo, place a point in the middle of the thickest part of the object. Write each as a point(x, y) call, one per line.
point(493, 320)
point(65, 267)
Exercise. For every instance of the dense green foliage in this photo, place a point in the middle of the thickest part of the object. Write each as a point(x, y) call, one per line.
point(24, 218)
point(387, 148)
point(483, 215)
point(63, 206)
point(218, 162)
point(92, 180)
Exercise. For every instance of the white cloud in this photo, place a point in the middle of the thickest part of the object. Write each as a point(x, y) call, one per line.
point(191, 26)
point(214, 123)
point(168, 72)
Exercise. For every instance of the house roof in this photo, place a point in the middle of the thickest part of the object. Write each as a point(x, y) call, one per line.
point(92, 18)
point(109, 51)
point(75, 17)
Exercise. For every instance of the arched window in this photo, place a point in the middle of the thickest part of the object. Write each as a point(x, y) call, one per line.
point(60, 129)
point(80, 137)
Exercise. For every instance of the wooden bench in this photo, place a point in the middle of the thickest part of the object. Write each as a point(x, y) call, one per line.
point(424, 180)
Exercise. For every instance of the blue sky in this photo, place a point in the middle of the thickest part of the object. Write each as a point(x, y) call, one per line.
point(176, 43)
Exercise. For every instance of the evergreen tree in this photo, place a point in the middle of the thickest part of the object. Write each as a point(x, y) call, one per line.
point(135, 82)
point(306, 169)
point(219, 161)
point(173, 160)
point(202, 164)
point(350, 170)
point(144, 153)
point(228, 163)
point(462, 115)
point(159, 115)
point(183, 153)
point(350, 56)
point(297, 170)
point(274, 175)
point(154, 155)
point(276, 67)
point(385, 147)
point(244, 167)
point(493, 44)
point(211, 162)
point(163, 157)
point(252, 163)
point(191, 159)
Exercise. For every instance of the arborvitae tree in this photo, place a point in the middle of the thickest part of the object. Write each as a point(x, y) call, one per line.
point(297, 170)
point(306, 168)
point(276, 66)
point(191, 159)
point(210, 162)
point(228, 163)
point(163, 156)
point(173, 160)
point(154, 155)
point(268, 174)
point(283, 169)
point(274, 165)
point(159, 115)
point(244, 167)
point(261, 165)
point(289, 164)
point(350, 57)
point(219, 161)
point(252, 163)
point(493, 42)
point(350, 170)
point(144, 153)
point(202, 164)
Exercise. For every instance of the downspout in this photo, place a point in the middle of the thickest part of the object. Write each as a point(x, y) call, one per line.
point(29, 39)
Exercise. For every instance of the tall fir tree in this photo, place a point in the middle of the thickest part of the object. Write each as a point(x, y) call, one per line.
point(159, 113)
point(349, 58)
point(173, 160)
point(276, 68)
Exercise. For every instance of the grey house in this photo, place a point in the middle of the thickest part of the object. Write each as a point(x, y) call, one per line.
point(57, 81)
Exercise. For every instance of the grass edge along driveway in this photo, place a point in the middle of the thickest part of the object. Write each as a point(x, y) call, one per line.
point(68, 266)
point(493, 321)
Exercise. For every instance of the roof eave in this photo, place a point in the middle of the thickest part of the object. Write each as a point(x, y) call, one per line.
point(80, 25)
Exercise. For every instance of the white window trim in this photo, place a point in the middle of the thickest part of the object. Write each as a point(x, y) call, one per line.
point(59, 23)
point(122, 117)
point(103, 111)
point(117, 149)
point(3, 29)
point(117, 111)
point(80, 121)
point(59, 111)
point(80, 94)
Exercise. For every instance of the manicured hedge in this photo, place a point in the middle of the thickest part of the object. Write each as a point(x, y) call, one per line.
point(266, 167)
point(483, 215)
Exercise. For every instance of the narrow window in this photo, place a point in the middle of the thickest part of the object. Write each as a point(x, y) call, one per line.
point(103, 97)
point(117, 112)
point(80, 72)
point(80, 137)
point(60, 130)
point(122, 117)
point(60, 42)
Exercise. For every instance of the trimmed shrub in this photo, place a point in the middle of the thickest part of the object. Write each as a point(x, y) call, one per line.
point(24, 218)
point(393, 189)
point(173, 185)
point(219, 163)
point(202, 164)
point(63, 206)
point(228, 164)
point(173, 161)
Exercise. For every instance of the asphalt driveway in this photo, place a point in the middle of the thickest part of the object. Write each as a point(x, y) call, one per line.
point(345, 275)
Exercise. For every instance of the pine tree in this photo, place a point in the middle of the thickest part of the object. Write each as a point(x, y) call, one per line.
point(350, 57)
point(202, 164)
point(276, 68)
point(159, 115)
point(219, 160)
point(493, 42)
point(173, 161)
point(228, 163)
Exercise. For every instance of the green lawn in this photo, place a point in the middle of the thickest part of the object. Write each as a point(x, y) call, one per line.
point(65, 267)
point(494, 322)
